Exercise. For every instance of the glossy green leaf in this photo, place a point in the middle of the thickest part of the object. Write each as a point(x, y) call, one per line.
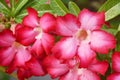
point(58, 7)
point(74, 9)
point(108, 4)
point(20, 5)
point(113, 12)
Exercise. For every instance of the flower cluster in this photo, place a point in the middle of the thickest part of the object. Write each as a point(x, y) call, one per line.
point(32, 48)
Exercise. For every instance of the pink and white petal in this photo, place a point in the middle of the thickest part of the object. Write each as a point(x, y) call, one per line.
point(6, 38)
point(91, 20)
point(116, 61)
point(67, 25)
point(86, 54)
point(66, 48)
point(35, 67)
point(85, 74)
point(47, 42)
point(22, 56)
point(31, 19)
point(37, 49)
point(114, 76)
point(98, 66)
point(54, 67)
point(102, 41)
point(47, 22)
point(25, 35)
point(6, 56)
point(71, 75)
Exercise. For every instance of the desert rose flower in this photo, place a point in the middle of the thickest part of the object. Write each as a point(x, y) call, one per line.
point(11, 50)
point(115, 67)
point(34, 30)
point(82, 36)
point(71, 69)
point(18, 57)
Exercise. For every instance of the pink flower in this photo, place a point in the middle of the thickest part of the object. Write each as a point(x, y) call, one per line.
point(34, 31)
point(115, 67)
point(18, 57)
point(11, 50)
point(71, 69)
point(82, 36)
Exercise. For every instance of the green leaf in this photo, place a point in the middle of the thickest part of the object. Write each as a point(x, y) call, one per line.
point(108, 4)
point(20, 5)
point(74, 9)
point(4, 7)
point(113, 12)
point(12, 3)
point(112, 31)
point(43, 8)
point(58, 7)
point(32, 3)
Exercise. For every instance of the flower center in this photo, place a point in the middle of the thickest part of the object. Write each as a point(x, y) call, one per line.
point(16, 44)
point(39, 31)
point(81, 34)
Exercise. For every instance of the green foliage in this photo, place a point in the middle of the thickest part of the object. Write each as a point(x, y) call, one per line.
point(74, 9)
point(113, 12)
point(108, 4)
point(58, 7)
point(112, 9)
point(19, 6)
point(3, 7)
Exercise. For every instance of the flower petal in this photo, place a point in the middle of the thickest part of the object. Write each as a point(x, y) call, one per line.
point(47, 22)
point(6, 55)
point(102, 41)
point(116, 61)
point(54, 66)
point(114, 76)
point(86, 54)
point(66, 48)
point(67, 25)
point(22, 56)
point(35, 67)
point(91, 20)
point(85, 74)
point(71, 75)
point(99, 67)
point(47, 42)
point(37, 49)
point(25, 35)
point(31, 19)
point(6, 38)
